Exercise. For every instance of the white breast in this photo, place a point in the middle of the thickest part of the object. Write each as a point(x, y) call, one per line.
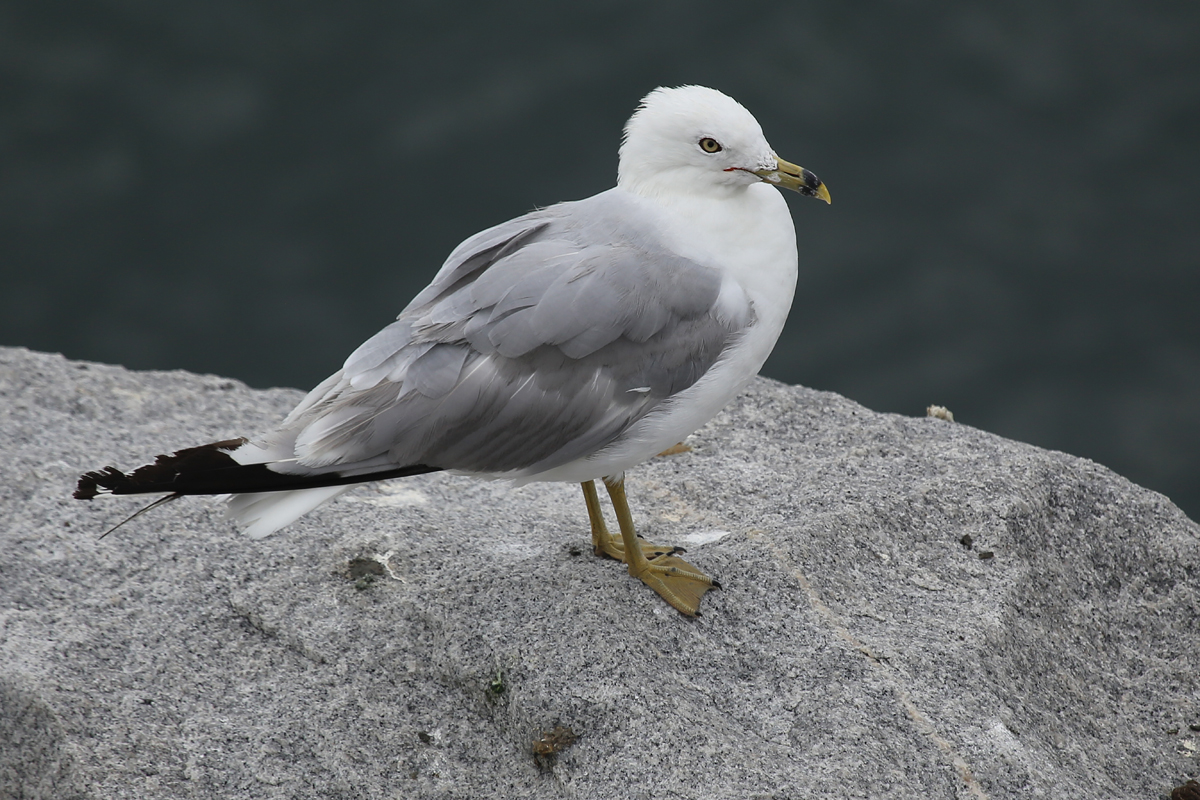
point(753, 242)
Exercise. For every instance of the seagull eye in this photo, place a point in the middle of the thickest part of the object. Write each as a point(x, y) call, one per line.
point(710, 145)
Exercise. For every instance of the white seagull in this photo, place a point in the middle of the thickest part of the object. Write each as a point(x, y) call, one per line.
point(569, 344)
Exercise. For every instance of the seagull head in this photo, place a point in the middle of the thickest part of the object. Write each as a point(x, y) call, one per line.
point(696, 140)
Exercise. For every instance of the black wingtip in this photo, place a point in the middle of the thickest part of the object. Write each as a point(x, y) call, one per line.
point(209, 469)
point(93, 483)
point(164, 475)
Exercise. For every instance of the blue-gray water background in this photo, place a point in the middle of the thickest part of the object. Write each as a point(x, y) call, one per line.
point(251, 189)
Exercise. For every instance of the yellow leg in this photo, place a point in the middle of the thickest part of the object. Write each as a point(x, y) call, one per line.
point(602, 540)
point(675, 580)
point(604, 543)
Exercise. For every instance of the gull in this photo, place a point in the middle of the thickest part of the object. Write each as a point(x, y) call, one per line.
point(569, 344)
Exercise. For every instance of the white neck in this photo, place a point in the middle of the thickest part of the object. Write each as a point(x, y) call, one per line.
point(748, 227)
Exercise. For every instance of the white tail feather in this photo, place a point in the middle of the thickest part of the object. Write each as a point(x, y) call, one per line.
point(264, 513)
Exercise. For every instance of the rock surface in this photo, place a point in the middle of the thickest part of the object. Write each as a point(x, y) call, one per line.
point(911, 608)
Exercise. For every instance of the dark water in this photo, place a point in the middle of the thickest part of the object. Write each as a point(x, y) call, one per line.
point(251, 189)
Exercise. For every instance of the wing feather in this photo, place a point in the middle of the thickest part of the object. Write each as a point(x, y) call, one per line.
point(539, 341)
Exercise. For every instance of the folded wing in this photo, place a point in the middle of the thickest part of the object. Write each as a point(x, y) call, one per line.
point(539, 341)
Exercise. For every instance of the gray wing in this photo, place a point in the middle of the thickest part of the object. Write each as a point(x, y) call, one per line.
point(539, 341)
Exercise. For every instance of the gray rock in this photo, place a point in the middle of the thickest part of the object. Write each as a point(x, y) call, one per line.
point(415, 638)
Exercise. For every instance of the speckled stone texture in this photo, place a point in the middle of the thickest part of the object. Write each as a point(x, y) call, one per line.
point(911, 608)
